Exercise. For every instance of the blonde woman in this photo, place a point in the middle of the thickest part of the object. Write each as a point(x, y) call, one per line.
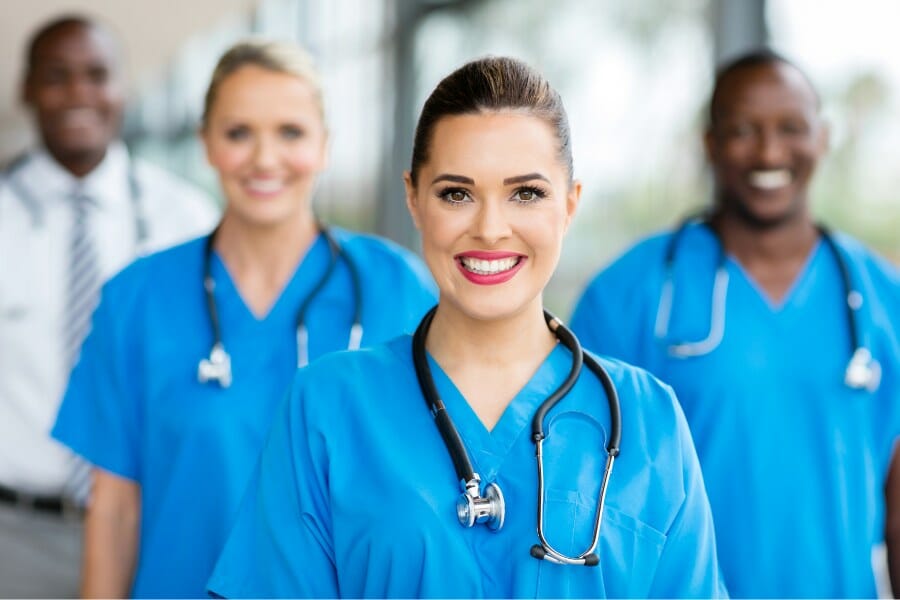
point(192, 348)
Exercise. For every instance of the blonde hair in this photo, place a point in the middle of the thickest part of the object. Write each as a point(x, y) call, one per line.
point(280, 57)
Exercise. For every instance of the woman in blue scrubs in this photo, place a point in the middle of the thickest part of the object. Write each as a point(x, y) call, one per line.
point(356, 491)
point(173, 428)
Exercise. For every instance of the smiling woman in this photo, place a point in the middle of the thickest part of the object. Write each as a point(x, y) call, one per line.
point(447, 465)
point(173, 434)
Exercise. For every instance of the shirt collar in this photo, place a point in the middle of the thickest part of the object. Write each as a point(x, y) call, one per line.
point(108, 184)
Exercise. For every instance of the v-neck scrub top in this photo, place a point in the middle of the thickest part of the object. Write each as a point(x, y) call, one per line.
point(794, 460)
point(134, 406)
point(355, 493)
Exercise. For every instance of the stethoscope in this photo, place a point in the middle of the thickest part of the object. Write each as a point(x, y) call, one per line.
point(33, 207)
point(218, 366)
point(863, 371)
point(490, 508)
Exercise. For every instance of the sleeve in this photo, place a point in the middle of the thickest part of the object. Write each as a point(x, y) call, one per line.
point(280, 544)
point(99, 417)
point(688, 566)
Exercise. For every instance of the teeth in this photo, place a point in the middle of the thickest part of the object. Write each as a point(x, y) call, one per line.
point(265, 186)
point(489, 267)
point(770, 180)
point(79, 117)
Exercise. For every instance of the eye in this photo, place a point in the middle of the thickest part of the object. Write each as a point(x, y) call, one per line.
point(454, 195)
point(529, 194)
point(98, 75)
point(794, 128)
point(54, 76)
point(237, 133)
point(291, 132)
point(737, 130)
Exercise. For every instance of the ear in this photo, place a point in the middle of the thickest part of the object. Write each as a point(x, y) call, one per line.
point(573, 198)
point(326, 150)
point(412, 202)
point(824, 137)
point(26, 92)
point(709, 144)
point(203, 134)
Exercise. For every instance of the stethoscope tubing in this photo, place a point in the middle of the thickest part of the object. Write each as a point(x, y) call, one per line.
point(302, 334)
point(470, 480)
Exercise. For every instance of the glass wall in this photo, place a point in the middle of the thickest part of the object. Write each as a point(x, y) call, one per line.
point(634, 77)
point(847, 49)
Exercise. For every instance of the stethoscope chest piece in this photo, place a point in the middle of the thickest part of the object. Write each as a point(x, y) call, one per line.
point(863, 372)
point(472, 507)
point(215, 368)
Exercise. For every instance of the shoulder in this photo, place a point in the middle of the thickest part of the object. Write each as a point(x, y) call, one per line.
point(377, 254)
point(864, 259)
point(371, 245)
point(338, 381)
point(175, 192)
point(157, 273)
point(633, 267)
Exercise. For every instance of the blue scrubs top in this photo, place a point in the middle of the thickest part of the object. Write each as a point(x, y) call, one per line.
point(355, 494)
point(794, 460)
point(134, 406)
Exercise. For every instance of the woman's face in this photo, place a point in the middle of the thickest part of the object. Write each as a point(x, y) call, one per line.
point(492, 203)
point(265, 136)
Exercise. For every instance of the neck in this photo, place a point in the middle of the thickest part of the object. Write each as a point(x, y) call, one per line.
point(751, 244)
point(457, 340)
point(79, 164)
point(262, 259)
point(772, 256)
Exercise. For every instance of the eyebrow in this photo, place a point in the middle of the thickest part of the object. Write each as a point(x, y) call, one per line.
point(470, 181)
point(453, 178)
point(524, 178)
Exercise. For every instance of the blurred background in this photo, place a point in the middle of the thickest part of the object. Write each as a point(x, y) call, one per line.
point(635, 77)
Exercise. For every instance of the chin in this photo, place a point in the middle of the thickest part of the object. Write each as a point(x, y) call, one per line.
point(489, 307)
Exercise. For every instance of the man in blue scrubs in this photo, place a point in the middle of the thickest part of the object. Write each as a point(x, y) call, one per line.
point(794, 438)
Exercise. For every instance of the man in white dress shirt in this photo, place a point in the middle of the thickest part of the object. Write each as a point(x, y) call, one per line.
point(79, 192)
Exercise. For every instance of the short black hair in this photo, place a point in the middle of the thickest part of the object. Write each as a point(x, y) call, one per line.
point(51, 27)
point(754, 58)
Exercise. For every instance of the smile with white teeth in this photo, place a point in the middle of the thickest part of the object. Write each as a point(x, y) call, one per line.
point(265, 186)
point(489, 267)
point(79, 117)
point(771, 179)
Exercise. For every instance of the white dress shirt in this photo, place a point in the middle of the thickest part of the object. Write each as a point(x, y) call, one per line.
point(35, 218)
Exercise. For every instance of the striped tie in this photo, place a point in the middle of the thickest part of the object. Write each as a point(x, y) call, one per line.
point(82, 292)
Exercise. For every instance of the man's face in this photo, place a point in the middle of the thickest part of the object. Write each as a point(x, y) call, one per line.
point(76, 93)
point(764, 143)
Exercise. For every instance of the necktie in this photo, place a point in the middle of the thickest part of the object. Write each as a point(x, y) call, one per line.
point(83, 282)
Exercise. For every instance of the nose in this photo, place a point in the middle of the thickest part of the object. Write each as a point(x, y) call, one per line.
point(79, 89)
point(772, 148)
point(491, 223)
point(265, 153)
